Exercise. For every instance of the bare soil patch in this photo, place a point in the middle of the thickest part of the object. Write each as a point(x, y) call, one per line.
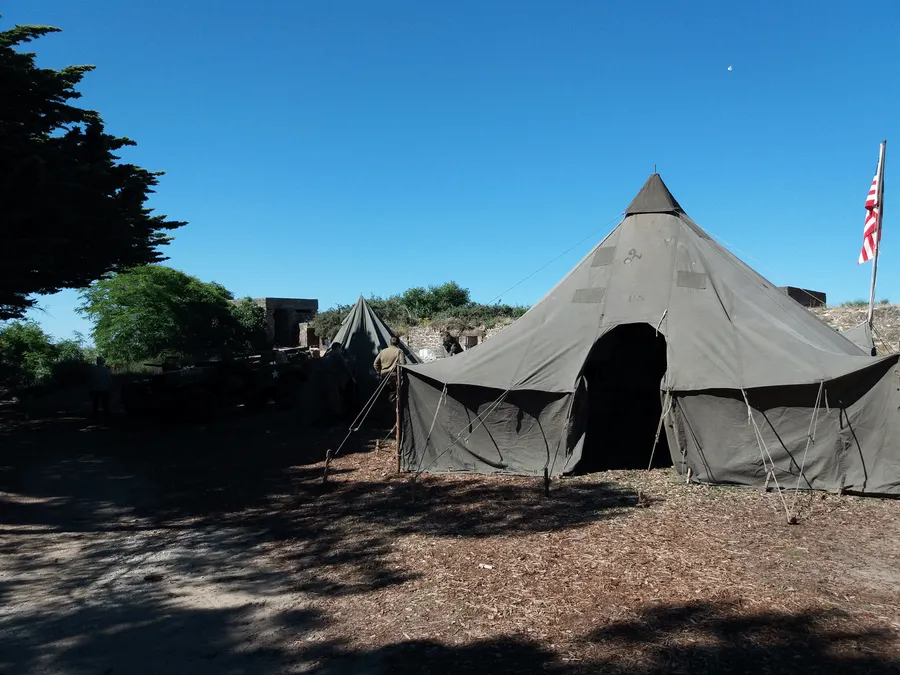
point(218, 549)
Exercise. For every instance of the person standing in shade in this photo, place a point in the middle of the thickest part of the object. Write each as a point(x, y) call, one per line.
point(387, 362)
point(100, 386)
point(451, 344)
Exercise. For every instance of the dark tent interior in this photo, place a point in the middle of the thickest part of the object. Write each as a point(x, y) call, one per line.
point(623, 372)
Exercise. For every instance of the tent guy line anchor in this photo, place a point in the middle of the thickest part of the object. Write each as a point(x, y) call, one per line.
point(810, 440)
point(761, 442)
point(363, 327)
point(354, 426)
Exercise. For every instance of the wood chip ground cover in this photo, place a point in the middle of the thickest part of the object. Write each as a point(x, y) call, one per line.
point(219, 549)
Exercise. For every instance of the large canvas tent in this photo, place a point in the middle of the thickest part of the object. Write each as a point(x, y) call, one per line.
point(659, 321)
point(363, 334)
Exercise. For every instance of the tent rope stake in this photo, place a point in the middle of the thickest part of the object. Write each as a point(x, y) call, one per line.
point(399, 374)
point(354, 426)
point(888, 347)
point(810, 440)
point(667, 408)
point(761, 442)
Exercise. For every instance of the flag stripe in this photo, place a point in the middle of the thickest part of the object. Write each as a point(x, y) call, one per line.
point(871, 230)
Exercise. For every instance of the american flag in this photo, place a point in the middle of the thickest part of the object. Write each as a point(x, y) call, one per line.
point(872, 231)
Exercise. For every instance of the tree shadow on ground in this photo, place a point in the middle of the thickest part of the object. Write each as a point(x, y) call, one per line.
point(472, 506)
point(693, 638)
point(119, 525)
point(217, 498)
point(167, 471)
point(706, 637)
point(144, 631)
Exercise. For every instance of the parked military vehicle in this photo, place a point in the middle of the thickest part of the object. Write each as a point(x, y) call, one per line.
point(203, 389)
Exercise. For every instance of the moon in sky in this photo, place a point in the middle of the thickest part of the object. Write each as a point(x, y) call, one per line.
point(729, 67)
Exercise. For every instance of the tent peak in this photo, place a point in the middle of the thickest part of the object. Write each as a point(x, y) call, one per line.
point(654, 197)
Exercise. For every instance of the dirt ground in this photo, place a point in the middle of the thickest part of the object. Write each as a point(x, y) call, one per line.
point(217, 549)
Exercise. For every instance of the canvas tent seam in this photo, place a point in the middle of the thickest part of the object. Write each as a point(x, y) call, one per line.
point(672, 274)
point(753, 276)
point(482, 418)
point(565, 427)
point(514, 381)
point(549, 467)
point(564, 432)
point(756, 279)
point(434, 419)
point(547, 464)
point(726, 244)
point(734, 331)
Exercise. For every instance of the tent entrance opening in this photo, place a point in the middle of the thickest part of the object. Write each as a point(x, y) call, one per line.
point(623, 373)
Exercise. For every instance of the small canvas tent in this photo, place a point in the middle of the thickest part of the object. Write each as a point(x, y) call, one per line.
point(661, 322)
point(363, 334)
point(862, 337)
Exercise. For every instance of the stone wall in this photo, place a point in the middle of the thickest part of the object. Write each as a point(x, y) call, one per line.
point(423, 337)
point(283, 318)
point(308, 337)
point(429, 337)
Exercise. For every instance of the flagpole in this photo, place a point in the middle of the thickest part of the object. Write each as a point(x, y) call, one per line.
point(880, 205)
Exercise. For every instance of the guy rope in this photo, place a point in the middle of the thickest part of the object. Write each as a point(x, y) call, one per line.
point(355, 425)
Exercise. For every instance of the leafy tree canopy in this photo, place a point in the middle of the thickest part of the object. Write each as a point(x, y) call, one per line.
point(155, 311)
point(448, 305)
point(71, 212)
point(28, 357)
point(251, 321)
point(425, 303)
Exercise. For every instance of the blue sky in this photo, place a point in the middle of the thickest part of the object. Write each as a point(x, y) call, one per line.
point(327, 149)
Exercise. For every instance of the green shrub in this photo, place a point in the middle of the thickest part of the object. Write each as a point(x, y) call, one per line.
point(30, 358)
point(27, 354)
point(251, 320)
point(445, 306)
point(154, 311)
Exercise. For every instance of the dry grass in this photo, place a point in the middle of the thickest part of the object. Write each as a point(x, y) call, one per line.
point(230, 533)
